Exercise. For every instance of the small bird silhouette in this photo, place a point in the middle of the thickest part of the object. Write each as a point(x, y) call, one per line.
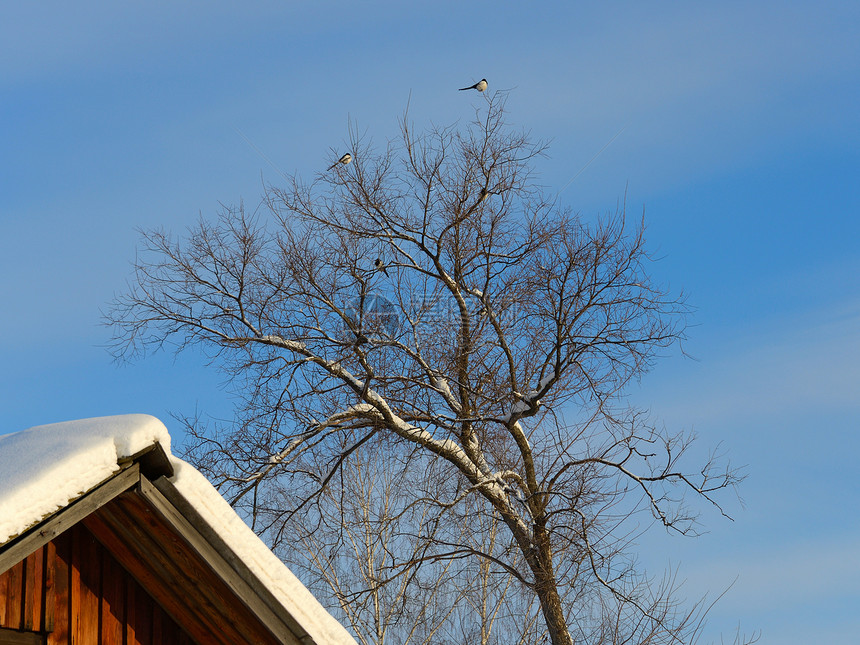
point(480, 86)
point(380, 266)
point(343, 160)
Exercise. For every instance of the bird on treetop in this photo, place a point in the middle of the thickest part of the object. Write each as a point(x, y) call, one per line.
point(343, 160)
point(480, 86)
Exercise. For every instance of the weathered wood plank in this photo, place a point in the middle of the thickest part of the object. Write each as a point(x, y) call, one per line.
point(61, 606)
point(168, 490)
point(169, 630)
point(11, 637)
point(135, 551)
point(50, 586)
point(86, 579)
point(157, 620)
point(91, 578)
point(153, 461)
point(113, 602)
point(184, 639)
point(212, 591)
point(47, 530)
point(14, 588)
point(32, 591)
point(28, 598)
point(38, 614)
point(221, 560)
point(74, 586)
point(139, 616)
point(4, 595)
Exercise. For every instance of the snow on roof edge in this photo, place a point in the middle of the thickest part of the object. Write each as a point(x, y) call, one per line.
point(44, 468)
point(265, 565)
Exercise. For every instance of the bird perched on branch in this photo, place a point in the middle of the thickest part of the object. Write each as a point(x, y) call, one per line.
point(480, 86)
point(343, 160)
point(380, 265)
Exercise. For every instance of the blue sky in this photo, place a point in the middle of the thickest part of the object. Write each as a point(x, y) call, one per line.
point(740, 142)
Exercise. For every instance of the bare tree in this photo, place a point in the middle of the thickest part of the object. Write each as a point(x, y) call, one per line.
point(351, 542)
point(430, 300)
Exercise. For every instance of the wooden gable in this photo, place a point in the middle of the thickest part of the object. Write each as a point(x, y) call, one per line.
point(131, 563)
point(72, 590)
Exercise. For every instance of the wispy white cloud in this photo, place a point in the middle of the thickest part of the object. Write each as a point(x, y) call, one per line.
point(795, 591)
point(702, 90)
point(706, 58)
point(795, 574)
point(55, 38)
point(775, 368)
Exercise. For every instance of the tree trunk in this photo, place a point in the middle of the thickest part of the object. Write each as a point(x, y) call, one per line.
point(546, 587)
point(550, 604)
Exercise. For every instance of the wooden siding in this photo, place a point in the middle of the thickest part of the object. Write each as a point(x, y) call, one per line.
point(74, 590)
point(123, 564)
point(176, 575)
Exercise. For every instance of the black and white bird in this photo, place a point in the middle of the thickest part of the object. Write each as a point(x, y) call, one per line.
point(343, 160)
point(380, 265)
point(480, 86)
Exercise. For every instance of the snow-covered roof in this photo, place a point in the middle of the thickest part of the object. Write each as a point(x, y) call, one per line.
point(44, 468)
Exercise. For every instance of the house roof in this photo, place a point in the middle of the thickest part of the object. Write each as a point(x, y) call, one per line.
point(47, 471)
